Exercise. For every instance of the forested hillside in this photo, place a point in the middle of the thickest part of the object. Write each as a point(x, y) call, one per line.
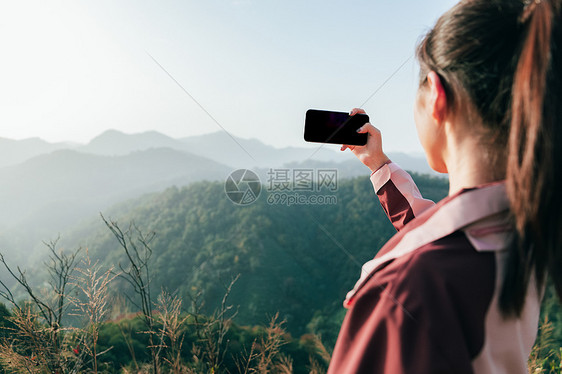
point(298, 260)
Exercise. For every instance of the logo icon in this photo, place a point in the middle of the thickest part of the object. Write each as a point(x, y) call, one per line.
point(242, 187)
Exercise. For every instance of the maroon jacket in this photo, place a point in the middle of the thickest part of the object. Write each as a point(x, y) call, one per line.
point(428, 301)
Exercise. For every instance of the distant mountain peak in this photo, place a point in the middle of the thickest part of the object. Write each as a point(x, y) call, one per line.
point(109, 132)
point(115, 142)
point(13, 152)
point(117, 134)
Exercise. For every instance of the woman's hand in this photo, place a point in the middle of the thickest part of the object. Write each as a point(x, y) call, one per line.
point(370, 154)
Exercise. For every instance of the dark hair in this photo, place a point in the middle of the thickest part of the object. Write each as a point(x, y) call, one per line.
point(500, 62)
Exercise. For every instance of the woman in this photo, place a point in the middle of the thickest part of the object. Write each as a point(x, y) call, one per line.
point(458, 288)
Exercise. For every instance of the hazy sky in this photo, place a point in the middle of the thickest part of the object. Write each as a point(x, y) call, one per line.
point(71, 69)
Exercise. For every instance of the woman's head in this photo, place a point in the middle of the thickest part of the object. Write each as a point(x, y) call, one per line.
point(473, 49)
point(500, 66)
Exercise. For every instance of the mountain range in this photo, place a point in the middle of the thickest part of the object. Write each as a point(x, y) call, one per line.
point(46, 187)
point(220, 147)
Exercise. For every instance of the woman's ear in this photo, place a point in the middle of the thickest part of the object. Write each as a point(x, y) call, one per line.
point(437, 102)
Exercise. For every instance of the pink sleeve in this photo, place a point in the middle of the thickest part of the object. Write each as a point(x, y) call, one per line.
point(398, 194)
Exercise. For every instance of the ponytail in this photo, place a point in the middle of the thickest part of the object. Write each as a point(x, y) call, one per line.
point(534, 174)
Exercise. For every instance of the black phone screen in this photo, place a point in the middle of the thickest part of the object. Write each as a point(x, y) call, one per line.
point(321, 126)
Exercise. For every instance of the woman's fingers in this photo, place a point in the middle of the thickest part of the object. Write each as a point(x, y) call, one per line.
point(355, 111)
point(368, 128)
point(363, 129)
point(371, 154)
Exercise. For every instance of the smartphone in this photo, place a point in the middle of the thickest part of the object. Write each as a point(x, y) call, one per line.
point(322, 126)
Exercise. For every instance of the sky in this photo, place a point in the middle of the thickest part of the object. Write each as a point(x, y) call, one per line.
point(70, 70)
